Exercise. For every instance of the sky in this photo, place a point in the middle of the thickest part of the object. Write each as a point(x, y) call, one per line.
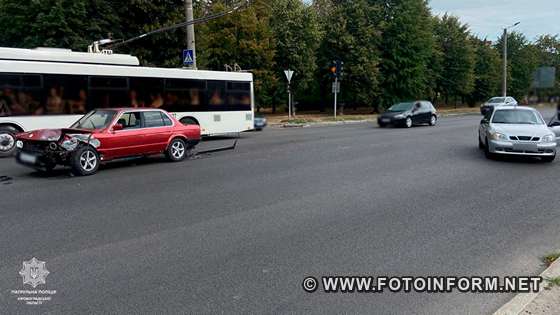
point(487, 18)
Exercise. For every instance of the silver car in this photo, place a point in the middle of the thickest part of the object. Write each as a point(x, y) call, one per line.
point(495, 102)
point(516, 130)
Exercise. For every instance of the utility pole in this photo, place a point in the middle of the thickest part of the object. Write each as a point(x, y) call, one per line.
point(335, 90)
point(505, 53)
point(337, 71)
point(504, 82)
point(191, 42)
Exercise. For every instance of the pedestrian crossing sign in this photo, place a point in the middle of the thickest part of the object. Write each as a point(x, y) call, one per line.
point(188, 57)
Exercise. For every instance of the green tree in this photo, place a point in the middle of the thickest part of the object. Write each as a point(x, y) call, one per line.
point(457, 57)
point(297, 35)
point(548, 47)
point(352, 35)
point(49, 23)
point(486, 71)
point(140, 16)
point(522, 63)
point(243, 38)
point(407, 47)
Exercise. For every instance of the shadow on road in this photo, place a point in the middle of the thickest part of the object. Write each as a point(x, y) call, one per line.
point(520, 160)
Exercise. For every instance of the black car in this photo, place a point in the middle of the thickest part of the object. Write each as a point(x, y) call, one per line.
point(260, 122)
point(407, 114)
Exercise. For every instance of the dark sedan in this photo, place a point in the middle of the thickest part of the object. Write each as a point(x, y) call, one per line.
point(260, 122)
point(407, 114)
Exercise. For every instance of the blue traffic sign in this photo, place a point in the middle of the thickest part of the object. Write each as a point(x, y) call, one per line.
point(188, 57)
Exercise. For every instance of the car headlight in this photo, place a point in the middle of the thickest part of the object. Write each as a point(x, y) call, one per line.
point(19, 144)
point(70, 144)
point(549, 138)
point(399, 116)
point(498, 136)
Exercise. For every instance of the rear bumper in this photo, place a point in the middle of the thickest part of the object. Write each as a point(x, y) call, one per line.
point(508, 148)
point(391, 121)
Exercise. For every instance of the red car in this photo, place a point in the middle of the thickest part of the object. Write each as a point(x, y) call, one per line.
point(105, 135)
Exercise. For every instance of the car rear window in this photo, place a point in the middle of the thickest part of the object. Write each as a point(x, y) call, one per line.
point(495, 100)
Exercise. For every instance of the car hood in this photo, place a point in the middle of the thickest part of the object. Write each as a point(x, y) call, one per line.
point(50, 134)
point(522, 130)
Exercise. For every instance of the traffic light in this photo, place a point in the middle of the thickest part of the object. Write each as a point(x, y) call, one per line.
point(337, 69)
point(333, 69)
point(340, 69)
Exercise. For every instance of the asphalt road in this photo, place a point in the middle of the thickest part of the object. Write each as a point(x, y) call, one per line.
point(237, 232)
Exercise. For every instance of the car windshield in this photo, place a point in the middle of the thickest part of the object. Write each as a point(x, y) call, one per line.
point(97, 119)
point(496, 100)
point(517, 116)
point(400, 107)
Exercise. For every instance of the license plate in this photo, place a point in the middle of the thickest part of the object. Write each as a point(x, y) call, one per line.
point(525, 147)
point(385, 120)
point(27, 158)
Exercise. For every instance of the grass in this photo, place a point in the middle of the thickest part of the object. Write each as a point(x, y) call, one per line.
point(552, 282)
point(297, 121)
point(550, 258)
point(348, 118)
point(326, 119)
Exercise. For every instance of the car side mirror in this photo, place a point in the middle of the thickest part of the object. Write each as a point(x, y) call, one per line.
point(484, 121)
point(554, 124)
point(118, 127)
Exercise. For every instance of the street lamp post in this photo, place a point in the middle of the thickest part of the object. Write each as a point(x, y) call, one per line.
point(505, 51)
point(190, 31)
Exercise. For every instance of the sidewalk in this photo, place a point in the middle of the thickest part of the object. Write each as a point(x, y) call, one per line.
point(546, 302)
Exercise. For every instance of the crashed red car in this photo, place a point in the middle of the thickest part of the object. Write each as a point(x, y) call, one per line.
point(106, 135)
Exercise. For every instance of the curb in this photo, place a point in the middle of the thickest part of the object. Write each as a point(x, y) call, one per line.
point(321, 123)
point(349, 122)
point(521, 301)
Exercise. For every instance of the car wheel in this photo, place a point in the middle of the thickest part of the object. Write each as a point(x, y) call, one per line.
point(7, 141)
point(84, 161)
point(408, 122)
point(487, 153)
point(480, 144)
point(433, 120)
point(382, 125)
point(177, 150)
point(548, 159)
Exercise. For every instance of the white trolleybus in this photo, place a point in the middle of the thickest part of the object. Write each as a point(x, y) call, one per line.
point(52, 88)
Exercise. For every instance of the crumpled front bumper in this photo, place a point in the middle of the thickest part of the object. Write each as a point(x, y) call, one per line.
point(35, 160)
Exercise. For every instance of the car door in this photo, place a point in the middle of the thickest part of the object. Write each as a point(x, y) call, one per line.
point(483, 127)
point(426, 112)
point(554, 125)
point(417, 113)
point(157, 131)
point(127, 141)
